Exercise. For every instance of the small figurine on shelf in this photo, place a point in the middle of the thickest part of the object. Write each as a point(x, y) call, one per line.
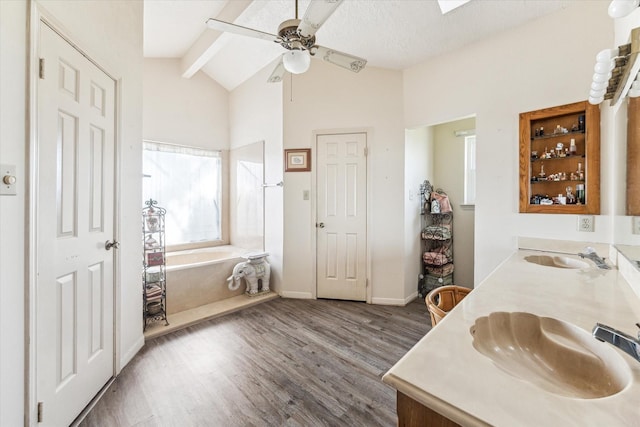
point(580, 194)
point(150, 242)
point(571, 199)
point(580, 172)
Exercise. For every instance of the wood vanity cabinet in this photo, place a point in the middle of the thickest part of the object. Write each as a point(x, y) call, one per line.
point(544, 175)
point(414, 414)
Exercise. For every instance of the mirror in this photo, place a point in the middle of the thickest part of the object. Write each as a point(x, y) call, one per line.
point(624, 136)
point(626, 240)
point(632, 253)
point(633, 157)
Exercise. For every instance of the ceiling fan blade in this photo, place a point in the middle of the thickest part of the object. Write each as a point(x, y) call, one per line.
point(278, 73)
point(315, 15)
point(216, 24)
point(344, 60)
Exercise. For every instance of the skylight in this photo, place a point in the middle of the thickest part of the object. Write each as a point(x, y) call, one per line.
point(449, 5)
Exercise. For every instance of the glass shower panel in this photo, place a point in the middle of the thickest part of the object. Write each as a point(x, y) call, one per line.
point(247, 195)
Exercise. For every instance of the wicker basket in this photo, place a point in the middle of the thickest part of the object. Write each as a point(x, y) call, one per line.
point(441, 300)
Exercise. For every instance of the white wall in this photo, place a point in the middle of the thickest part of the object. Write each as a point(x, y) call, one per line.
point(418, 166)
point(448, 165)
point(192, 112)
point(544, 63)
point(111, 33)
point(255, 114)
point(13, 143)
point(330, 98)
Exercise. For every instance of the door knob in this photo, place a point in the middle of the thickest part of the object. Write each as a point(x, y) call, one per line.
point(320, 225)
point(108, 245)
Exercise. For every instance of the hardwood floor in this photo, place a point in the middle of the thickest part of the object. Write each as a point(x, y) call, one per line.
point(285, 362)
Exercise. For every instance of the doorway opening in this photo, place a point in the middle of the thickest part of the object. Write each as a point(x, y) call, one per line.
point(444, 154)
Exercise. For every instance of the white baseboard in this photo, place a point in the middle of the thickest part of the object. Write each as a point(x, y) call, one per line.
point(296, 295)
point(130, 354)
point(411, 297)
point(394, 301)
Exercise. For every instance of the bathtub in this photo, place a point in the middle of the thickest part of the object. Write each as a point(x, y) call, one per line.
point(199, 276)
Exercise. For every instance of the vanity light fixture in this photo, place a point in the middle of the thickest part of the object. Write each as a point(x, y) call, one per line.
point(616, 72)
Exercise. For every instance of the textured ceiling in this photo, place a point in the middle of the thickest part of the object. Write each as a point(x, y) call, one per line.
point(393, 34)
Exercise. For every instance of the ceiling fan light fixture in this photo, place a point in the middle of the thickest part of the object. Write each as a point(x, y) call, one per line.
point(296, 61)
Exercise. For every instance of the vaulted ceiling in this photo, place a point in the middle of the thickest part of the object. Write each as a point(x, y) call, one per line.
point(394, 34)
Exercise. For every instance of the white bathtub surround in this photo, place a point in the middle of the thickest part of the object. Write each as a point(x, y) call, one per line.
point(201, 313)
point(446, 373)
point(199, 276)
point(197, 287)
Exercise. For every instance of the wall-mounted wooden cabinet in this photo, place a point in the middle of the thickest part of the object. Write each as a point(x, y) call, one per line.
point(560, 160)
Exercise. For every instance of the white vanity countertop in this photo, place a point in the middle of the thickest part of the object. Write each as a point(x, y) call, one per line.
point(444, 372)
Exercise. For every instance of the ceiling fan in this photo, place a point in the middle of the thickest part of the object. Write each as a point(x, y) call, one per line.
point(298, 37)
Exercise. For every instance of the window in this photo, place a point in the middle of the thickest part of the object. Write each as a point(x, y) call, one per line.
point(470, 170)
point(187, 182)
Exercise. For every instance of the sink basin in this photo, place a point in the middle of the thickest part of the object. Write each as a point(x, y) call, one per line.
point(552, 354)
point(556, 261)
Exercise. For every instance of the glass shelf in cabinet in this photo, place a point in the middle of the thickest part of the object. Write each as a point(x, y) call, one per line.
point(551, 181)
point(576, 156)
point(557, 135)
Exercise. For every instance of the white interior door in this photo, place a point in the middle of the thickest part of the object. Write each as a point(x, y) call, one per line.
point(342, 216)
point(75, 214)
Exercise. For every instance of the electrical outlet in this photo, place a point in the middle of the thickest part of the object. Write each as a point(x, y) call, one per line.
point(635, 225)
point(585, 222)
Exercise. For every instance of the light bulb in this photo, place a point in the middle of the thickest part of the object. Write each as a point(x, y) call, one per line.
point(596, 101)
point(603, 67)
point(599, 78)
point(633, 93)
point(621, 8)
point(607, 55)
point(296, 61)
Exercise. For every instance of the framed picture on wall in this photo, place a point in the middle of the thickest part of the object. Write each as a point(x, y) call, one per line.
point(297, 160)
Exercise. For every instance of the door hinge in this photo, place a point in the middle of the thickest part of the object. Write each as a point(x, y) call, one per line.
point(40, 411)
point(366, 151)
point(41, 66)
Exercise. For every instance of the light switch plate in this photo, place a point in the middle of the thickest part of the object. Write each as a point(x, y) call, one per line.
point(8, 174)
point(586, 222)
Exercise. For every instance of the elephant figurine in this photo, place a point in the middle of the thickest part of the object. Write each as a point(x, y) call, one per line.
point(255, 271)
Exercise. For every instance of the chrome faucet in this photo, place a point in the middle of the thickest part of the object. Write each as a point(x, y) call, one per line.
point(590, 253)
point(624, 342)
